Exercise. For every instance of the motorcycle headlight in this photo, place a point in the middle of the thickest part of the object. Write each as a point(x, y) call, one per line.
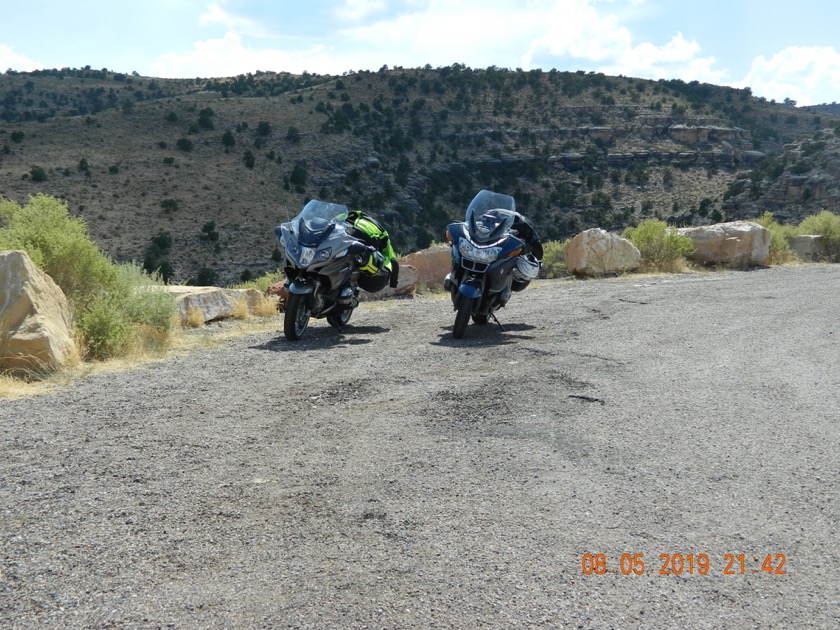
point(480, 254)
point(323, 254)
point(306, 256)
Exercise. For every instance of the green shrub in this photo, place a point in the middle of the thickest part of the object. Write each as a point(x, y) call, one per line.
point(104, 329)
point(169, 205)
point(142, 300)
point(206, 277)
point(554, 259)
point(262, 282)
point(780, 251)
point(827, 225)
point(113, 306)
point(662, 247)
point(58, 244)
point(38, 174)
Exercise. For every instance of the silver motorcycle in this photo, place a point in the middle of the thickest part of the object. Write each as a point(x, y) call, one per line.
point(321, 266)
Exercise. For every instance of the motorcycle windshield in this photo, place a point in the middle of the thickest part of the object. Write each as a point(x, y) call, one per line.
point(317, 220)
point(317, 209)
point(490, 216)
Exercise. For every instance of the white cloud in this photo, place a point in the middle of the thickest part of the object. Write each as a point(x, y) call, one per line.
point(355, 10)
point(808, 75)
point(10, 59)
point(228, 56)
point(506, 34)
point(443, 32)
point(575, 28)
point(679, 58)
point(215, 14)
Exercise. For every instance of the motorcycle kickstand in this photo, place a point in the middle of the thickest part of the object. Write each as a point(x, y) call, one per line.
point(493, 315)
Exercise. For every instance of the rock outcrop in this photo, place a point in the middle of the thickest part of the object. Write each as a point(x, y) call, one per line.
point(199, 305)
point(432, 264)
point(36, 326)
point(734, 244)
point(809, 246)
point(596, 252)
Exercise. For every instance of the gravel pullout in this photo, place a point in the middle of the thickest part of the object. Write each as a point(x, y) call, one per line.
point(393, 477)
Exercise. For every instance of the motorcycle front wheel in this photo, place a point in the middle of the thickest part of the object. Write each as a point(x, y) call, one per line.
point(339, 319)
point(297, 316)
point(462, 317)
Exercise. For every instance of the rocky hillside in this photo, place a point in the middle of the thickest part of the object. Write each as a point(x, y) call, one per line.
point(194, 174)
point(803, 178)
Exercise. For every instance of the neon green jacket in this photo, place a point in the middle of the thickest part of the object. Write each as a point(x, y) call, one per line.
point(372, 233)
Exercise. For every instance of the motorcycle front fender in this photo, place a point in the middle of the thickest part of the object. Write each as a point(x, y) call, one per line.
point(302, 287)
point(470, 289)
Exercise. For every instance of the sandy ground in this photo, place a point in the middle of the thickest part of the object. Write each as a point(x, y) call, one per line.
point(685, 427)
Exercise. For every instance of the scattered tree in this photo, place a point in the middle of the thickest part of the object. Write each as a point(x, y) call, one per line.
point(169, 205)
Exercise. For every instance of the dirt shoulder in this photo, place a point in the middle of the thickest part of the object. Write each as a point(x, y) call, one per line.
point(393, 477)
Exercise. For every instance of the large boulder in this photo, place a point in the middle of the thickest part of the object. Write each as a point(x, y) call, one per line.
point(36, 326)
point(596, 252)
point(431, 264)
point(199, 305)
point(734, 244)
point(809, 246)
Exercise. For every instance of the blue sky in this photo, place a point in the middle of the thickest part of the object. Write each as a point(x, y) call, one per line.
point(780, 50)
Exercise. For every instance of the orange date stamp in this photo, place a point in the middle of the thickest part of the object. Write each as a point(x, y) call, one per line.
point(684, 564)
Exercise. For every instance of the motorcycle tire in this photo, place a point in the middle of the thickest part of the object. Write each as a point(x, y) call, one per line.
point(480, 318)
point(297, 316)
point(462, 317)
point(339, 319)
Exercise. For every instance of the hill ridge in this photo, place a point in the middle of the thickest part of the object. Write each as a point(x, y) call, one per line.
point(142, 157)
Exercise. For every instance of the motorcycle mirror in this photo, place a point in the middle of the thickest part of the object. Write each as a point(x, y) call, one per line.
point(357, 248)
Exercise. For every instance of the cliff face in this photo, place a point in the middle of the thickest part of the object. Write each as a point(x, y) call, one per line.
point(803, 179)
point(209, 167)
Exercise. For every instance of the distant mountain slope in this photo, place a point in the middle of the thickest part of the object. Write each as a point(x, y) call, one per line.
point(210, 166)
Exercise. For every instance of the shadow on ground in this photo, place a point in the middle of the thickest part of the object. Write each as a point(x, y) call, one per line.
point(485, 335)
point(322, 338)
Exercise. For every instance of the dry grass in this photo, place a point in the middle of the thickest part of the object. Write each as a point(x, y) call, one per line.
point(423, 288)
point(266, 306)
point(195, 317)
point(240, 309)
point(666, 266)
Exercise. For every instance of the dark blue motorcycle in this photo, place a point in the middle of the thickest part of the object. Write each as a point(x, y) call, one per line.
point(488, 260)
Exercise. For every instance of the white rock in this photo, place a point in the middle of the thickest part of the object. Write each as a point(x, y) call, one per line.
point(36, 326)
point(211, 303)
point(735, 244)
point(596, 252)
point(809, 246)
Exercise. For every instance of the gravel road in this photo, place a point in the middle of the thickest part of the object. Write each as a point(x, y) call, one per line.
point(393, 477)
